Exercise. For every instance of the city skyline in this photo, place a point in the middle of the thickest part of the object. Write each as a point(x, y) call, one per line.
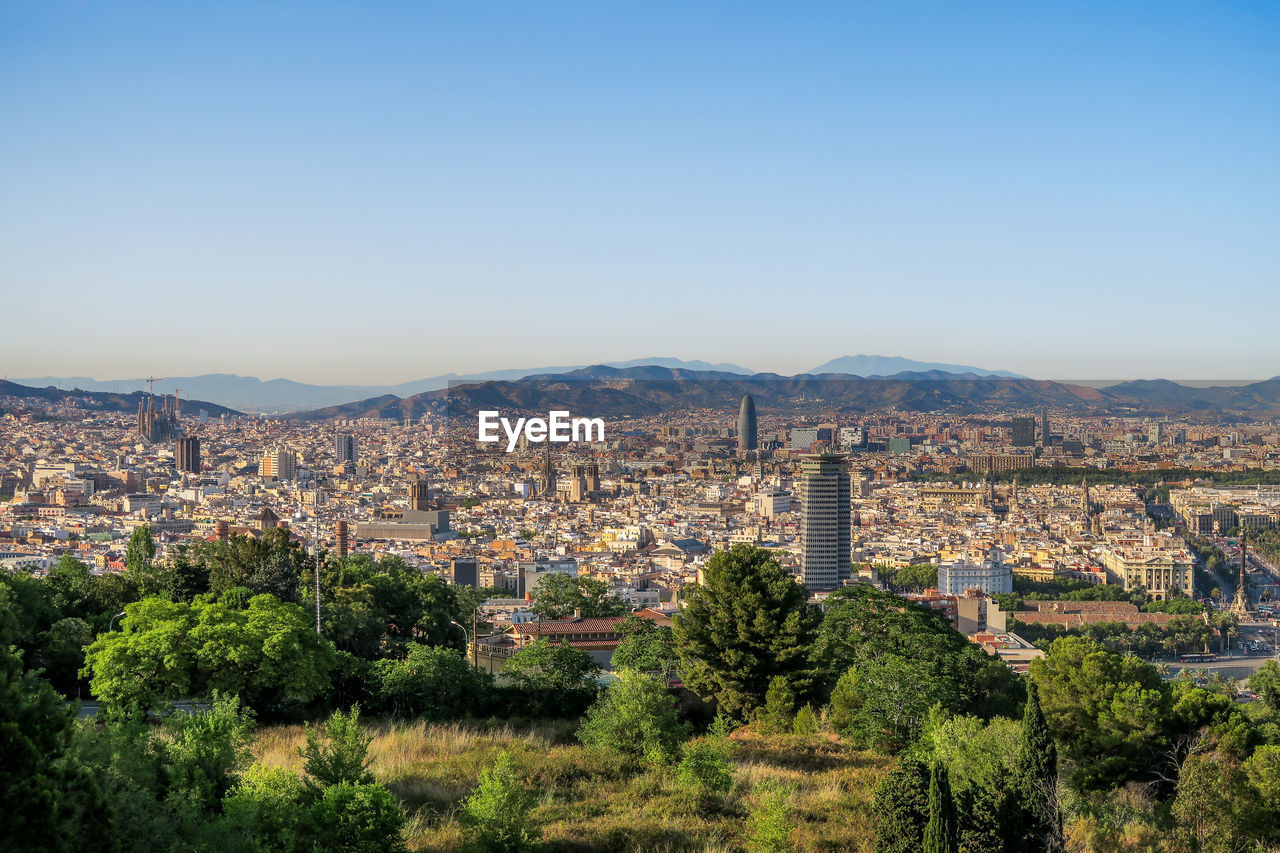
point(360, 196)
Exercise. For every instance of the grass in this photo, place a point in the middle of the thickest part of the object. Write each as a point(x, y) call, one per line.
point(592, 801)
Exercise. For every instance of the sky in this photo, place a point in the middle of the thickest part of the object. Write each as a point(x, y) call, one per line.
point(375, 192)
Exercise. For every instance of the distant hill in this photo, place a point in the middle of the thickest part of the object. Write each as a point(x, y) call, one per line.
point(890, 366)
point(102, 401)
point(640, 391)
point(248, 393)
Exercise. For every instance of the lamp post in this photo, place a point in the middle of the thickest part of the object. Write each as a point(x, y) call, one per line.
point(465, 636)
point(111, 624)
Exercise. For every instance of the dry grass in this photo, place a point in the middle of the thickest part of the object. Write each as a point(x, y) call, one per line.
point(590, 801)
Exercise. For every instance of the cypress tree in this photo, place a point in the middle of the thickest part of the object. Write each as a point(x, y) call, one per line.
point(940, 831)
point(1036, 778)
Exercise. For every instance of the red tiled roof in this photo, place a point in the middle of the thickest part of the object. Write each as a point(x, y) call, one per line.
point(594, 625)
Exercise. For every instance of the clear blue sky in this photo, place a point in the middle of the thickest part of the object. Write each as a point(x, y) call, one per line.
point(380, 191)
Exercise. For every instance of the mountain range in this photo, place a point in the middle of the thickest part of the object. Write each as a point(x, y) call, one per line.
point(250, 394)
point(101, 401)
point(604, 391)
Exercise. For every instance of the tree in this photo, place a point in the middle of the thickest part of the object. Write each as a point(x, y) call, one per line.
point(550, 677)
point(1266, 683)
point(636, 718)
point(1036, 778)
point(379, 610)
point(51, 801)
point(205, 751)
point(268, 654)
point(141, 549)
point(748, 622)
point(559, 594)
point(274, 564)
point(777, 715)
point(705, 771)
point(265, 808)
point(940, 831)
point(431, 682)
point(498, 810)
point(895, 643)
point(149, 661)
point(644, 646)
point(884, 705)
point(901, 807)
point(342, 756)
point(1106, 710)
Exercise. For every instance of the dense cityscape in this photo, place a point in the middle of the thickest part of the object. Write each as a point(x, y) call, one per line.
point(562, 427)
point(1024, 534)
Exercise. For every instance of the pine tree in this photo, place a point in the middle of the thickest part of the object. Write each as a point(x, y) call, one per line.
point(940, 831)
point(1036, 780)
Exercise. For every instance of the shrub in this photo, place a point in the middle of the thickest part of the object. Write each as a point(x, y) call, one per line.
point(355, 818)
point(779, 707)
point(705, 771)
point(498, 810)
point(266, 807)
point(344, 757)
point(636, 717)
point(806, 721)
point(769, 823)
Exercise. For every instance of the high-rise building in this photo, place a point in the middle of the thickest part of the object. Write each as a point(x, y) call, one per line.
point(824, 525)
point(345, 448)
point(1024, 432)
point(748, 433)
point(188, 454)
point(278, 464)
point(1044, 427)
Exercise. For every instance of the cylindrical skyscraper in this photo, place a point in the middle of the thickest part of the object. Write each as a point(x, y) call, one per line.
point(747, 425)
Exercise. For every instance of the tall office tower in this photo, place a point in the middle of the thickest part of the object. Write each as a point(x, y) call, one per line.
point(278, 464)
point(748, 433)
point(188, 454)
point(1044, 427)
point(345, 450)
point(1024, 432)
point(420, 494)
point(824, 525)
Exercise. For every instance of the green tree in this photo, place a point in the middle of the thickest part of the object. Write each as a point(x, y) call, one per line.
point(266, 807)
point(141, 549)
point(1107, 711)
point(431, 682)
point(644, 646)
point(1036, 778)
point(705, 772)
point(548, 678)
point(884, 705)
point(748, 622)
point(940, 831)
point(894, 642)
point(205, 751)
point(51, 801)
point(341, 755)
point(777, 715)
point(1266, 684)
point(498, 811)
point(806, 722)
point(901, 807)
point(62, 654)
point(635, 717)
point(267, 654)
point(558, 595)
point(379, 610)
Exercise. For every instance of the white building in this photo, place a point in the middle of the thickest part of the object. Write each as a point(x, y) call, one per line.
point(991, 576)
